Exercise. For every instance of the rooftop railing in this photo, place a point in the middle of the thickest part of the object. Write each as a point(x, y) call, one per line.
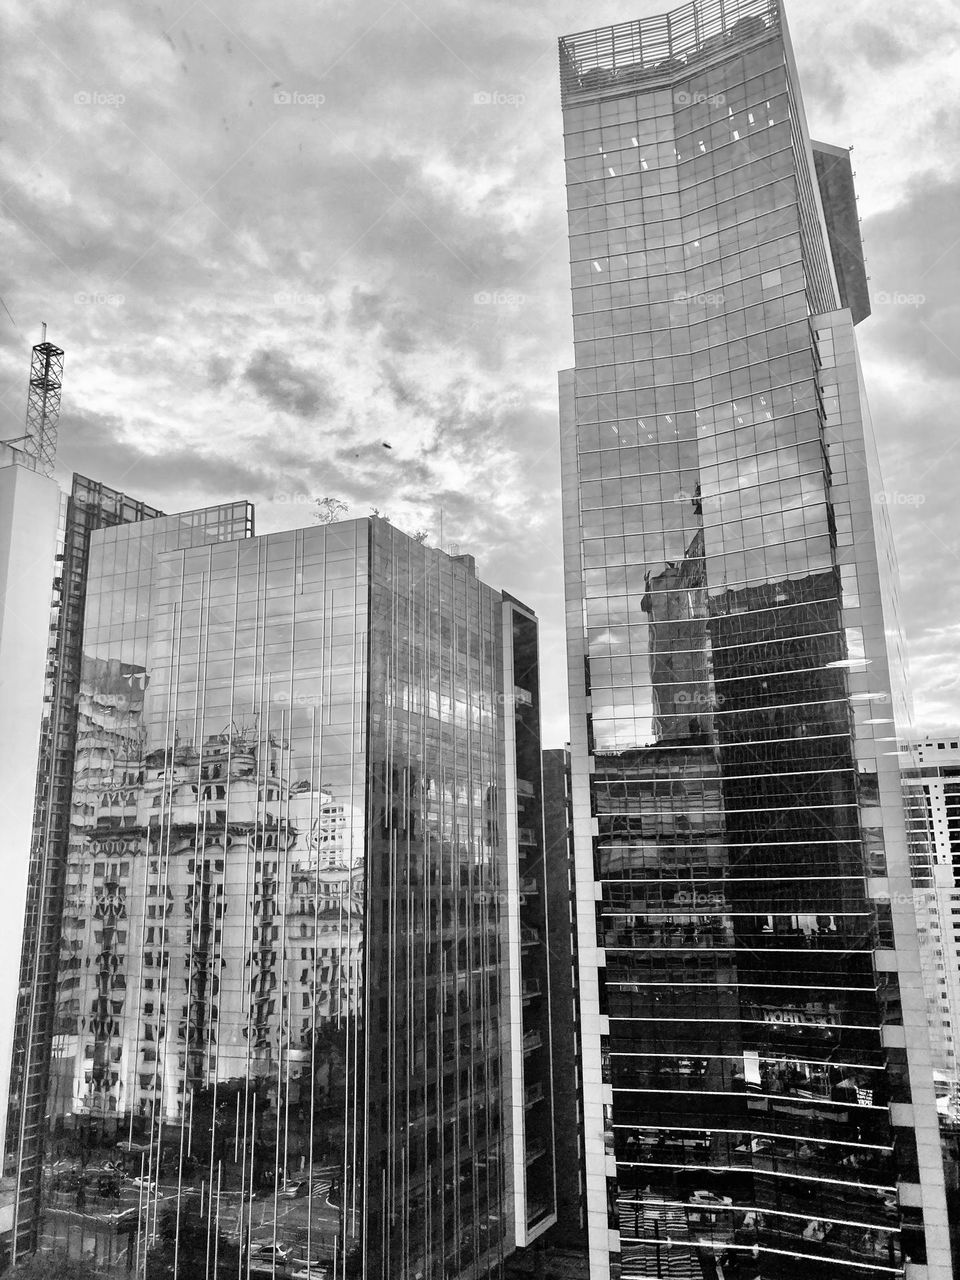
point(632, 53)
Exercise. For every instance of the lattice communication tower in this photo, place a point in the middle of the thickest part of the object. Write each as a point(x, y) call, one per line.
point(43, 404)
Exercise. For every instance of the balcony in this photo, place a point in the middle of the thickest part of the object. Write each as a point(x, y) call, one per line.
point(532, 1095)
point(532, 1040)
point(530, 989)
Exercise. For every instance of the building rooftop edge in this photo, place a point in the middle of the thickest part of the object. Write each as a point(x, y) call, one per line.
point(695, 9)
point(632, 57)
point(829, 147)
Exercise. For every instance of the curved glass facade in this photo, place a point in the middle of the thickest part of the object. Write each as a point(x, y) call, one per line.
point(749, 1059)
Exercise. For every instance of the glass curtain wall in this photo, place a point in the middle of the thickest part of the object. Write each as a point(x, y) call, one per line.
point(278, 1001)
point(746, 1080)
point(435, 1120)
point(209, 1004)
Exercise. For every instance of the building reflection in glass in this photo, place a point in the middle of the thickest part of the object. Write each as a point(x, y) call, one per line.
point(279, 993)
point(748, 1016)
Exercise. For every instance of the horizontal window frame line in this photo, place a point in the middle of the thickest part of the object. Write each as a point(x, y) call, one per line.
point(705, 355)
point(757, 1094)
point(776, 1213)
point(710, 683)
point(723, 370)
point(713, 404)
point(724, 746)
point(709, 814)
point(713, 986)
point(752, 1022)
point(692, 130)
point(721, 846)
point(746, 644)
point(758, 1133)
point(723, 1057)
point(871, 1269)
point(702, 65)
point(665, 504)
point(693, 909)
point(767, 1173)
point(672, 504)
point(743, 949)
point(720, 432)
point(763, 162)
point(720, 258)
point(712, 589)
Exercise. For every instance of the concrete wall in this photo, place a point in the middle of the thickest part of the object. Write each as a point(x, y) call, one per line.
point(29, 508)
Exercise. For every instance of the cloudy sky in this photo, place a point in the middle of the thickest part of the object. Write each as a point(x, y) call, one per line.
point(272, 237)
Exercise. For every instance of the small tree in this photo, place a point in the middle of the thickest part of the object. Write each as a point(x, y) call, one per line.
point(329, 509)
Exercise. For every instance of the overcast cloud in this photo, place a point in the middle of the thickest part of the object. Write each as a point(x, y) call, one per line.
point(273, 237)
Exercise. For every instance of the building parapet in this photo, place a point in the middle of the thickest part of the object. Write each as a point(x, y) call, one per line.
point(627, 55)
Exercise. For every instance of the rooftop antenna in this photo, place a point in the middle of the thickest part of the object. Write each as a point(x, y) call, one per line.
point(39, 443)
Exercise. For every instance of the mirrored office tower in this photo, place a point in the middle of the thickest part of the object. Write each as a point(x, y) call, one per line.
point(757, 1066)
point(291, 935)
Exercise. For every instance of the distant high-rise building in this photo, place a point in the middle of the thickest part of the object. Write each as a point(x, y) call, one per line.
point(757, 1068)
point(932, 772)
point(301, 984)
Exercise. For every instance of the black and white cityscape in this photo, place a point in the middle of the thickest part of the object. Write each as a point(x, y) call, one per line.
point(363, 919)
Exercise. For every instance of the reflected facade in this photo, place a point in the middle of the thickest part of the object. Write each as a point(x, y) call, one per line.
point(757, 1065)
point(282, 997)
point(89, 506)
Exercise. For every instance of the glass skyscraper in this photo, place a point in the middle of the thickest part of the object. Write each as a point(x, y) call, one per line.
point(300, 1005)
point(758, 1095)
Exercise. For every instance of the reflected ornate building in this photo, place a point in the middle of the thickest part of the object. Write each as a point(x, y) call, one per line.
point(758, 1095)
point(89, 506)
point(301, 984)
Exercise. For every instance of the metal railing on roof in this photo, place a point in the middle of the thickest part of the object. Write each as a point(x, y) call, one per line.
point(631, 53)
